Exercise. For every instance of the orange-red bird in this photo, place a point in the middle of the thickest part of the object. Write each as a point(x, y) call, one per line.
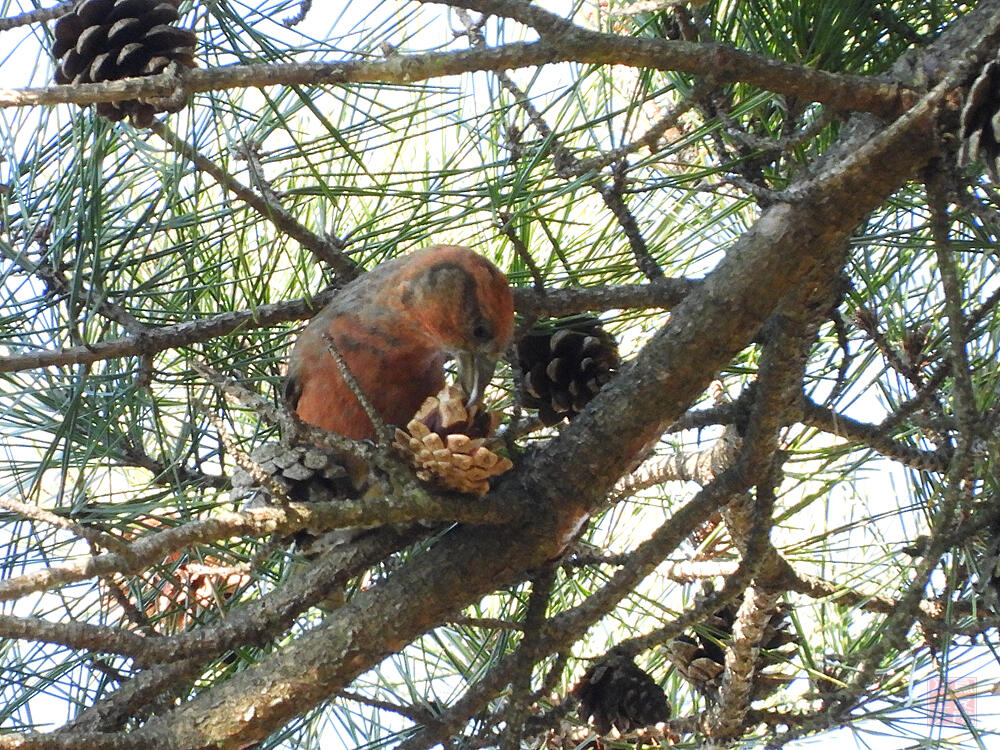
point(395, 327)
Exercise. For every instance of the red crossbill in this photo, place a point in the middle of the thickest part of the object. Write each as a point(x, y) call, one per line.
point(395, 327)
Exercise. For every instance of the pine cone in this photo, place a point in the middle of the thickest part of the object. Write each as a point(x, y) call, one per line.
point(980, 125)
point(702, 532)
point(616, 693)
point(701, 657)
point(306, 473)
point(446, 444)
point(106, 40)
point(695, 665)
point(564, 366)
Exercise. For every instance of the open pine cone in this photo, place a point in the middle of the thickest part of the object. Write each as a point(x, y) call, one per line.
point(701, 658)
point(106, 40)
point(563, 366)
point(446, 444)
point(980, 125)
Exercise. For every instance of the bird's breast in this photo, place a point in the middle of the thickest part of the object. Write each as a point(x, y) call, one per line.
point(394, 367)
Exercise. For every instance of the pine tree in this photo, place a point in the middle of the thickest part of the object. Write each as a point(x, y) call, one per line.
point(777, 210)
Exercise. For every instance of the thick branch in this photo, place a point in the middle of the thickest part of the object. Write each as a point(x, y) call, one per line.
point(584, 46)
point(720, 62)
point(152, 549)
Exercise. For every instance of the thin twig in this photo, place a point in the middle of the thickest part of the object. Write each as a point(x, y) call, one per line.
point(327, 250)
point(94, 536)
point(242, 459)
point(937, 199)
point(613, 198)
point(41, 15)
point(868, 322)
point(491, 623)
point(132, 612)
point(520, 684)
point(507, 229)
point(382, 432)
point(136, 455)
point(682, 571)
point(417, 714)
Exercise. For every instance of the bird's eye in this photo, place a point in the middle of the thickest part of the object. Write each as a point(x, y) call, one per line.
point(482, 332)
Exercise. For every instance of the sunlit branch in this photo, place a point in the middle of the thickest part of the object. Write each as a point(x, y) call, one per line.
point(723, 63)
point(153, 548)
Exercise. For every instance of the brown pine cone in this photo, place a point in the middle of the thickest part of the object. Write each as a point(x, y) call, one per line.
point(616, 693)
point(106, 40)
point(304, 472)
point(980, 125)
point(563, 366)
point(701, 657)
point(446, 443)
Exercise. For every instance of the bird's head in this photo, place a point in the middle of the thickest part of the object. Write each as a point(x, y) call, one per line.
point(464, 305)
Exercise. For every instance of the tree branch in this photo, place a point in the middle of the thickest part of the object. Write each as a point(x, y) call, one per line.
point(327, 250)
point(547, 303)
point(875, 437)
point(724, 64)
point(153, 548)
point(36, 16)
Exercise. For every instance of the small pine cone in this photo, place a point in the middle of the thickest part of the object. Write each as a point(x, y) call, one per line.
point(980, 125)
point(779, 633)
point(446, 444)
point(305, 473)
point(915, 344)
point(695, 665)
point(701, 658)
point(564, 366)
point(616, 693)
point(106, 40)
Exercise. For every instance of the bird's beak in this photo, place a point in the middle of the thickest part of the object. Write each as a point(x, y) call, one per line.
point(475, 370)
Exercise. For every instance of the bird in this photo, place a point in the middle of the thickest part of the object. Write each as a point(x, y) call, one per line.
point(394, 328)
